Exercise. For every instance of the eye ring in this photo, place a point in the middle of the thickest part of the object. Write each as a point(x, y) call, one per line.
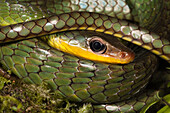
point(97, 46)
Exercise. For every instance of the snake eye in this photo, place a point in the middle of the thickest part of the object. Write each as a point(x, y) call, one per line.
point(97, 46)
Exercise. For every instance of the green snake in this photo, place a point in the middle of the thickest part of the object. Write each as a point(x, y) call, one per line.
point(30, 28)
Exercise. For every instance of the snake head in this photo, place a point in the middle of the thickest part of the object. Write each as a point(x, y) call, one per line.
point(111, 49)
point(92, 46)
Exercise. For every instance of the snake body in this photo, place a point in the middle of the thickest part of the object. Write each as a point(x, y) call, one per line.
point(78, 79)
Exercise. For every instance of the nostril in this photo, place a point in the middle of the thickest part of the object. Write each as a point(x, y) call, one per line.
point(123, 55)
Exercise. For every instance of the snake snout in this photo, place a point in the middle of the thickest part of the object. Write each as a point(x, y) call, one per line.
point(126, 56)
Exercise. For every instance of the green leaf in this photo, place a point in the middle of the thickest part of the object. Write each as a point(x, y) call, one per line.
point(154, 101)
point(167, 98)
point(165, 109)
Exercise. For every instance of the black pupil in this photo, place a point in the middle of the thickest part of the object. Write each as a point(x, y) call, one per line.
point(96, 46)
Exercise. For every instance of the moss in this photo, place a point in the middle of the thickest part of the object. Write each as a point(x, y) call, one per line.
point(19, 97)
point(9, 103)
point(3, 81)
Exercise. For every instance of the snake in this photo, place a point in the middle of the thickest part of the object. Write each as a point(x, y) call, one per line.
point(79, 48)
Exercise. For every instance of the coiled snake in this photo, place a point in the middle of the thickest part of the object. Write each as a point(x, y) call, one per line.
point(90, 64)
